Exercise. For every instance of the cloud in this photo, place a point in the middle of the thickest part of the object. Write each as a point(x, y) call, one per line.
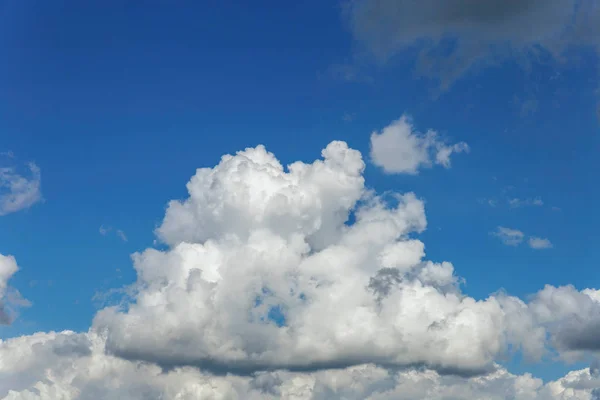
point(539, 243)
point(279, 241)
point(572, 318)
point(510, 237)
point(68, 366)
point(121, 235)
point(516, 202)
point(10, 299)
point(18, 192)
point(267, 291)
point(105, 230)
point(400, 149)
point(514, 237)
point(456, 35)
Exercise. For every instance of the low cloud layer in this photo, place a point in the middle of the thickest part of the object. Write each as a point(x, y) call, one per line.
point(19, 189)
point(400, 149)
point(456, 35)
point(69, 366)
point(266, 291)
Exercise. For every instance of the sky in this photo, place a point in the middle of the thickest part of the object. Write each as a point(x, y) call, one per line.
point(379, 199)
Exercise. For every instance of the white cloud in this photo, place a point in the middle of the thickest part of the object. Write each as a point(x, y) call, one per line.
point(18, 192)
point(265, 292)
point(508, 236)
point(104, 230)
point(400, 149)
point(539, 243)
point(10, 299)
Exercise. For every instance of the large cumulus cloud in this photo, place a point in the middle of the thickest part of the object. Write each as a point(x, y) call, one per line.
point(265, 273)
point(302, 283)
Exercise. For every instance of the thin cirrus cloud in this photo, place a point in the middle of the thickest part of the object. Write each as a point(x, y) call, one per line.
point(455, 36)
point(514, 237)
point(517, 202)
point(20, 186)
point(105, 230)
point(400, 149)
point(321, 309)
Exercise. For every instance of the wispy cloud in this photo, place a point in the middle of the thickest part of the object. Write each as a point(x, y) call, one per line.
point(105, 230)
point(121, 235)
point(508, 236)
point(348, 117)
point(516, 202)
point(19, 190)
point(514, 237)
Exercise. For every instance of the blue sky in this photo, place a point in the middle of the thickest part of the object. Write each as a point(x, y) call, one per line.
point(118, 104)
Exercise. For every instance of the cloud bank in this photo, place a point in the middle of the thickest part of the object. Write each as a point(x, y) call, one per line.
point(301, 283)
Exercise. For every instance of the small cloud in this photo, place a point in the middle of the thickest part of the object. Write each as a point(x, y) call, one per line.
point(349, 73)
point(510, 237)
point(527, 107)
point(400, 149)
point(489, 202)
point(19, 190)
point(539, 243)
point(516, 202)
point(105, 230)
point(556, 208)
point(537, 202)
point(348, 117)
point(121, 235)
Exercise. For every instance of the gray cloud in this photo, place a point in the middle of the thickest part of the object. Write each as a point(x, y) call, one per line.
point(455, 35)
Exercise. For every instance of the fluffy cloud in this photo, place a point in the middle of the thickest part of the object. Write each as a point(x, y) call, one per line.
point(268, 291)
point(400, 149)
point(17, 191)
point(572, 318)
point(264, 273)
point(455, 35)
